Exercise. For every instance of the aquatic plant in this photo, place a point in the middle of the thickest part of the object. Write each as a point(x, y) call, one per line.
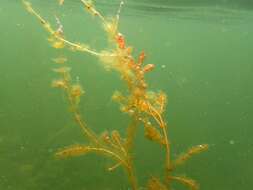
point(144, 107)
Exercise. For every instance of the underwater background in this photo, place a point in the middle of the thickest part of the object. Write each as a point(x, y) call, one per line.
point(203, 52)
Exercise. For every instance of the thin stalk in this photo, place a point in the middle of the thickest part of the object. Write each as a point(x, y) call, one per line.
point(93, 10)
point(131, 132)
point(54, 33)
point(163, 126)
point(76, 113)
point(167, 144)
point(131, 177)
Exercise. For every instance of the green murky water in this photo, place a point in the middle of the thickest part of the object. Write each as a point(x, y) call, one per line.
point(204, 61)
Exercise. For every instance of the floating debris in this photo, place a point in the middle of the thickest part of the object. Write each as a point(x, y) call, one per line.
point(62, 70)
point(60, 2)
point(60, 60)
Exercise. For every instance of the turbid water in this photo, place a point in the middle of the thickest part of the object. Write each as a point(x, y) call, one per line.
point(204, 62)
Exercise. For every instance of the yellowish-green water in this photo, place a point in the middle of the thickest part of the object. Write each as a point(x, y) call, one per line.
point(204, 62)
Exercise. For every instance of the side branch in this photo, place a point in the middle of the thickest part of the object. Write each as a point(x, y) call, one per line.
point(55, 34)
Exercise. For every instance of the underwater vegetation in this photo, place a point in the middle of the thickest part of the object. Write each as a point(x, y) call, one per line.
point(144, 107)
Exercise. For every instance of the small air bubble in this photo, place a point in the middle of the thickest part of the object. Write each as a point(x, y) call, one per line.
point(232, 142)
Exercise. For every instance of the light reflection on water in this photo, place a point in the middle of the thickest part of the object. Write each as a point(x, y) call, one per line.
point(216, 12)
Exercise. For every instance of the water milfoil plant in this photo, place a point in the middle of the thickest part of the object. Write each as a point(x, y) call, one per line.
point(145, 107)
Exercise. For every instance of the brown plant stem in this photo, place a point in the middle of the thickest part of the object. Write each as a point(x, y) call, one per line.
point(131, 176)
